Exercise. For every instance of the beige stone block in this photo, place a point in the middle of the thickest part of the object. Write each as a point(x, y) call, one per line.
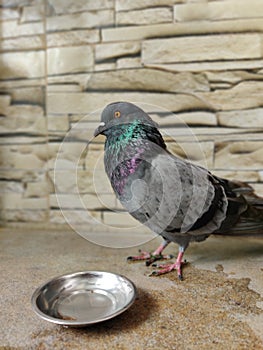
point(35, 42)
point(57, 217)
point(73, 217)
point(21, 83)
point(26, 175)
point(36, 189)
point(29, 64)
point(68, 87)
point(80, 20)
point(32, 13)
point(97, 147)
point(201, 153)
point(66, 155)
point(73, 37)
point(99, 201)
point(28, 95)
point(58, 122)
point(202, 48)
point(80, 181)
point(9, 13)
point(31, 111)
point(246, 95)
point(83, 201)
point(179, 29)
point(212, 66)
point(75, 82)
point(19, 176)
point(134, 33)
point(5, 101)
point(15, 201)
point(145, 16)
point(24, 118)
point(66, 201)
point(239, 155)
point(83, 131)
point(231, 77)
point(23, 156)
point(11, 186)
point(71, 6)
point(94, 160)
point(124, 5)
point(188, 118)
point(104, 66)
point(133, 62)
point(90, 102)
point(248, 118)
point(206, 134)
point(216, 10)
point(90, 117)
point(40, 150)
point(119, 219)
point(106, 51)
point(69, 59)
point(13, 28)
point(148, 80)
point(258, 189)
point(217, 133)
point(101, 183)
point(24, 139)
point(16, 3)
point(66, 181)
point(24, 215)
point(220, 86)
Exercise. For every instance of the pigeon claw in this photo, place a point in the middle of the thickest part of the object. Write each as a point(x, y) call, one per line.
point(156, 257)
point(142, 256)
point(166, 268)
point(149, 262)
point(149, 257)
point(180, 277)
point(153, 273)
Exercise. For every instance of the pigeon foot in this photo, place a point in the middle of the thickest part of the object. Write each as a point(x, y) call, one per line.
point(149, 257)
point(165, 268)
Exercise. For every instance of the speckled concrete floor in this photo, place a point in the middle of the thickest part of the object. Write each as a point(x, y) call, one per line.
point(217, 306)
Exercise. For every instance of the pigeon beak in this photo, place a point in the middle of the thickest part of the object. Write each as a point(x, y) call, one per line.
point(99, 129)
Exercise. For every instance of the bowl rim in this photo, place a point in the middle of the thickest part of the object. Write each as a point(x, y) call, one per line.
point(73, 323)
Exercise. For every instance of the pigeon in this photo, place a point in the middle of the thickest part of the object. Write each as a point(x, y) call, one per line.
point(180, 201)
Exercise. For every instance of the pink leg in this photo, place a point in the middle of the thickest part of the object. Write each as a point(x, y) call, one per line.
point(151, 257)
point(165, 268)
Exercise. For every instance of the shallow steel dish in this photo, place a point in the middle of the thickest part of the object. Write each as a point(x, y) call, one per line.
point(83, 298)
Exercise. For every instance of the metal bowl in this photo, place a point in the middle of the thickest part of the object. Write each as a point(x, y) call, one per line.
point(83, 298)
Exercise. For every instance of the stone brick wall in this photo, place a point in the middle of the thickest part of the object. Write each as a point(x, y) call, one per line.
point(62, 61)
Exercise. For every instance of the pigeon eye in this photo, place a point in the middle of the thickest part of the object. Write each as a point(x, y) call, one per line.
point(117, 114)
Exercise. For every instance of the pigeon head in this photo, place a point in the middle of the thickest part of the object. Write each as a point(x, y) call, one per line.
point(121, 113)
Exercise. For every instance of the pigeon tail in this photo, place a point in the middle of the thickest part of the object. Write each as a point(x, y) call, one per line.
point(250, 221)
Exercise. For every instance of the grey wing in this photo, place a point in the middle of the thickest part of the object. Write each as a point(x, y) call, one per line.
point(173, 195)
